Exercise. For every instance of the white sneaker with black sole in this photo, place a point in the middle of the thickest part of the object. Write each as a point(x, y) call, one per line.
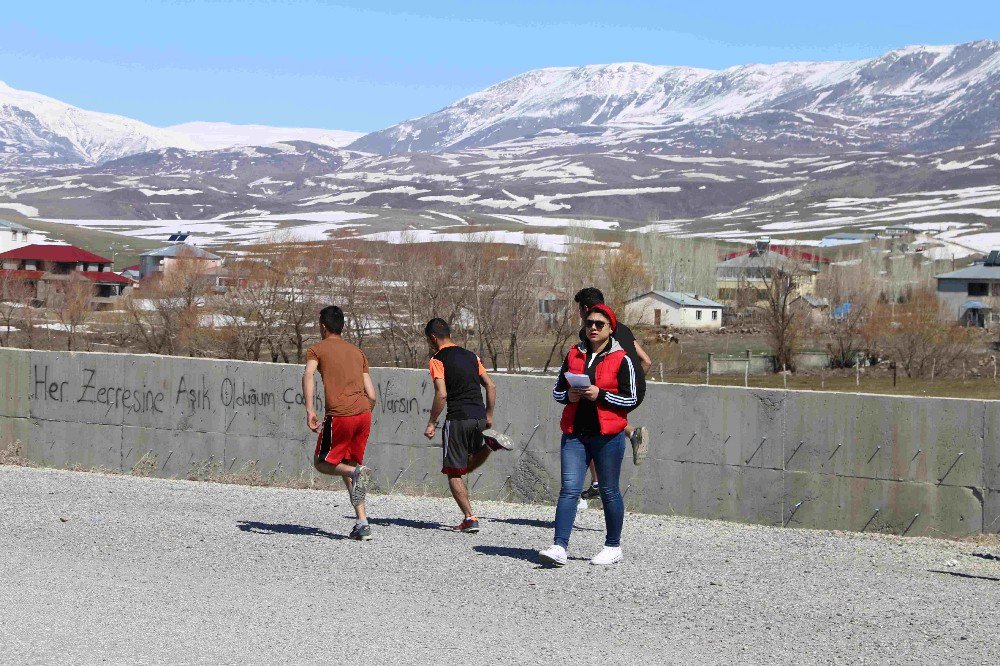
point(609, 555)
point(554, 555)
point(359, 486)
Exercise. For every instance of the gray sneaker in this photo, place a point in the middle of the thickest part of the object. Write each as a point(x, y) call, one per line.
point(640, 445)
point(361, 532)
point(361, 477)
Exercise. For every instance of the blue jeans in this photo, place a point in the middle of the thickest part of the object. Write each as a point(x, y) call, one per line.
point(607, 452)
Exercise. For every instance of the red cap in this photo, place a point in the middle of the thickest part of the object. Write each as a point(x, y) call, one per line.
point(607, 312)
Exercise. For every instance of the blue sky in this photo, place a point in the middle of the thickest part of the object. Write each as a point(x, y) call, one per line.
point(367, 65)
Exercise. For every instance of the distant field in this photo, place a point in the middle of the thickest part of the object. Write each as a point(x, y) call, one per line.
point(123, 250)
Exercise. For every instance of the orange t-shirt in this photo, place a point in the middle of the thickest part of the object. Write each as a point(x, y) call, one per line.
point(342, 366)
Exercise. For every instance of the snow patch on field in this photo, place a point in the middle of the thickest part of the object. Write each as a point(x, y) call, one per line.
point(27, 211)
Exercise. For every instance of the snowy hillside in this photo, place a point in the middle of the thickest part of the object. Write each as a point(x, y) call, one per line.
point(928, 95)
point(212, 136)
point(35, 129)
point(39, 131)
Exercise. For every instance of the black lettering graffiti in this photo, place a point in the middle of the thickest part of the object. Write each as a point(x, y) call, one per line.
point(55, 391)
point(129, 400)
point(244, 398)
point(194, 397)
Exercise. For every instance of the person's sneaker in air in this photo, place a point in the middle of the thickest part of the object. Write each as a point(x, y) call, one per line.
point(360, 478)
point(470, 525)
point(593, 492)
point(640, 444)
point(497, 441)
point(608, 555)
point(361, 532)
point(553, 555)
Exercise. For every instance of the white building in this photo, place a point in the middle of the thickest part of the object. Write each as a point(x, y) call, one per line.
point(676, 309)
point(14, 236)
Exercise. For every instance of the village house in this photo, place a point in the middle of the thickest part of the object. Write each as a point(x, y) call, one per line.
point(165, 259)
point(745, 274)
point(14, 235)
point(972, 294)
point(675, 309)
point(45, 267)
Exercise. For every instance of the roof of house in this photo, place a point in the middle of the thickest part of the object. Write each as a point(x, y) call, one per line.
point(56, 253)
point(22, 275)
point(851, 235)
point(105, 277)
point(683, 299)
point(182, 250)
point(973, 272)
point(815, 301)
point(783, 250)
point(7, 224)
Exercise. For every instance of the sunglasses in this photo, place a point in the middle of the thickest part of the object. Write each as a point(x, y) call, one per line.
point(595, 323)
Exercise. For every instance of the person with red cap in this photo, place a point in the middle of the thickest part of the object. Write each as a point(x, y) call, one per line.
point(597, 385)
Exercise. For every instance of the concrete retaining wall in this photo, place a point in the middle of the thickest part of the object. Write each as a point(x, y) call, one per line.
point(919, 466)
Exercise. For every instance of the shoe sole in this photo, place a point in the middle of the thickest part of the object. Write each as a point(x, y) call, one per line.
point(546, 559)
point(468, 530)
point(362, 538)
point(641, 447)
point(502, 441)
point(360, 487)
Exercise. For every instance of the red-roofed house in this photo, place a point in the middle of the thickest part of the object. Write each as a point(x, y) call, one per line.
point(47, 265)
point(746, 271)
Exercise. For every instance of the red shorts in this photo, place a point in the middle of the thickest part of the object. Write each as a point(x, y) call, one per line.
point(344, 438)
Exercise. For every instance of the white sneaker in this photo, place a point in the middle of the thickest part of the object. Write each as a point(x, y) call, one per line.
point(554, 555)
point(608, 556)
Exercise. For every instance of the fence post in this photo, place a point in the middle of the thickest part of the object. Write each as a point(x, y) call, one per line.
point(708, 368)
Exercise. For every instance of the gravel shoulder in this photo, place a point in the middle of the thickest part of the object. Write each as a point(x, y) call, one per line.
point(119, 569)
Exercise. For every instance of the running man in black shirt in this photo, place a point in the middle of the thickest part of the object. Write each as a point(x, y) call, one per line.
point(468, 437)
point(638, 437)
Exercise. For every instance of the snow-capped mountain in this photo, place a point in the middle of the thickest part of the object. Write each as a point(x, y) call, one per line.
point(928, 96)
point(39, 131)
point(212, 136)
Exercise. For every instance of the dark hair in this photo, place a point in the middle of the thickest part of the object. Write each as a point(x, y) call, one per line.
point(438, 327)
point(589, 297)
point(333, 318)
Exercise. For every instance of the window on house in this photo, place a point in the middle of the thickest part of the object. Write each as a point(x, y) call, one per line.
point(715, 315)
point(978, 289)
point(697, 315)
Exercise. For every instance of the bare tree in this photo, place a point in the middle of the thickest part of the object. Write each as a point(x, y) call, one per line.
point(16, 293)
point(163, 314)
point(782, 323)
point(915, 335)
point(73, 303)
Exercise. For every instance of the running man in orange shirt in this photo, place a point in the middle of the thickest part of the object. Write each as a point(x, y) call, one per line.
point(349, 397)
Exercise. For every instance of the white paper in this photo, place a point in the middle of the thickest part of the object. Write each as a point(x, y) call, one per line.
point(577, 381)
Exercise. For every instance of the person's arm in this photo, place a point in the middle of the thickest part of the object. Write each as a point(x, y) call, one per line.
point(644, 359)
point(440, 396)
point(625, 396)
point(370, 391)
point(561, 391)
point(308, 391)
point(491, 394)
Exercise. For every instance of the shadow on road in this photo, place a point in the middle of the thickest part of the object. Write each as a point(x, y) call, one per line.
point(285, 528)
point(535, 522)
point(526, 554)
point(407, 522)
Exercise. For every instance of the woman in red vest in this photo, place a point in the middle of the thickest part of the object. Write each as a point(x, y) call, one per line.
point(593, 425)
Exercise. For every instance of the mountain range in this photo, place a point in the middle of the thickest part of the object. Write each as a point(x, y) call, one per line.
point(789, 148)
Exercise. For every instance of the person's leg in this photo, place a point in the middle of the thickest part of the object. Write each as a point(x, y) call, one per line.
point(573, 456)
point(608, 455)
point(480, 452)
point(461, 494)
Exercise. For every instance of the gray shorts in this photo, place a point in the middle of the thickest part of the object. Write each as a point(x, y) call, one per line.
point(461, 439)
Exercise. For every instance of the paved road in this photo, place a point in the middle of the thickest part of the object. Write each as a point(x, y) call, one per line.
point(116, 569)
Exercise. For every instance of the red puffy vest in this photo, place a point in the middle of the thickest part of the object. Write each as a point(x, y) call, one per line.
point(611, 419)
